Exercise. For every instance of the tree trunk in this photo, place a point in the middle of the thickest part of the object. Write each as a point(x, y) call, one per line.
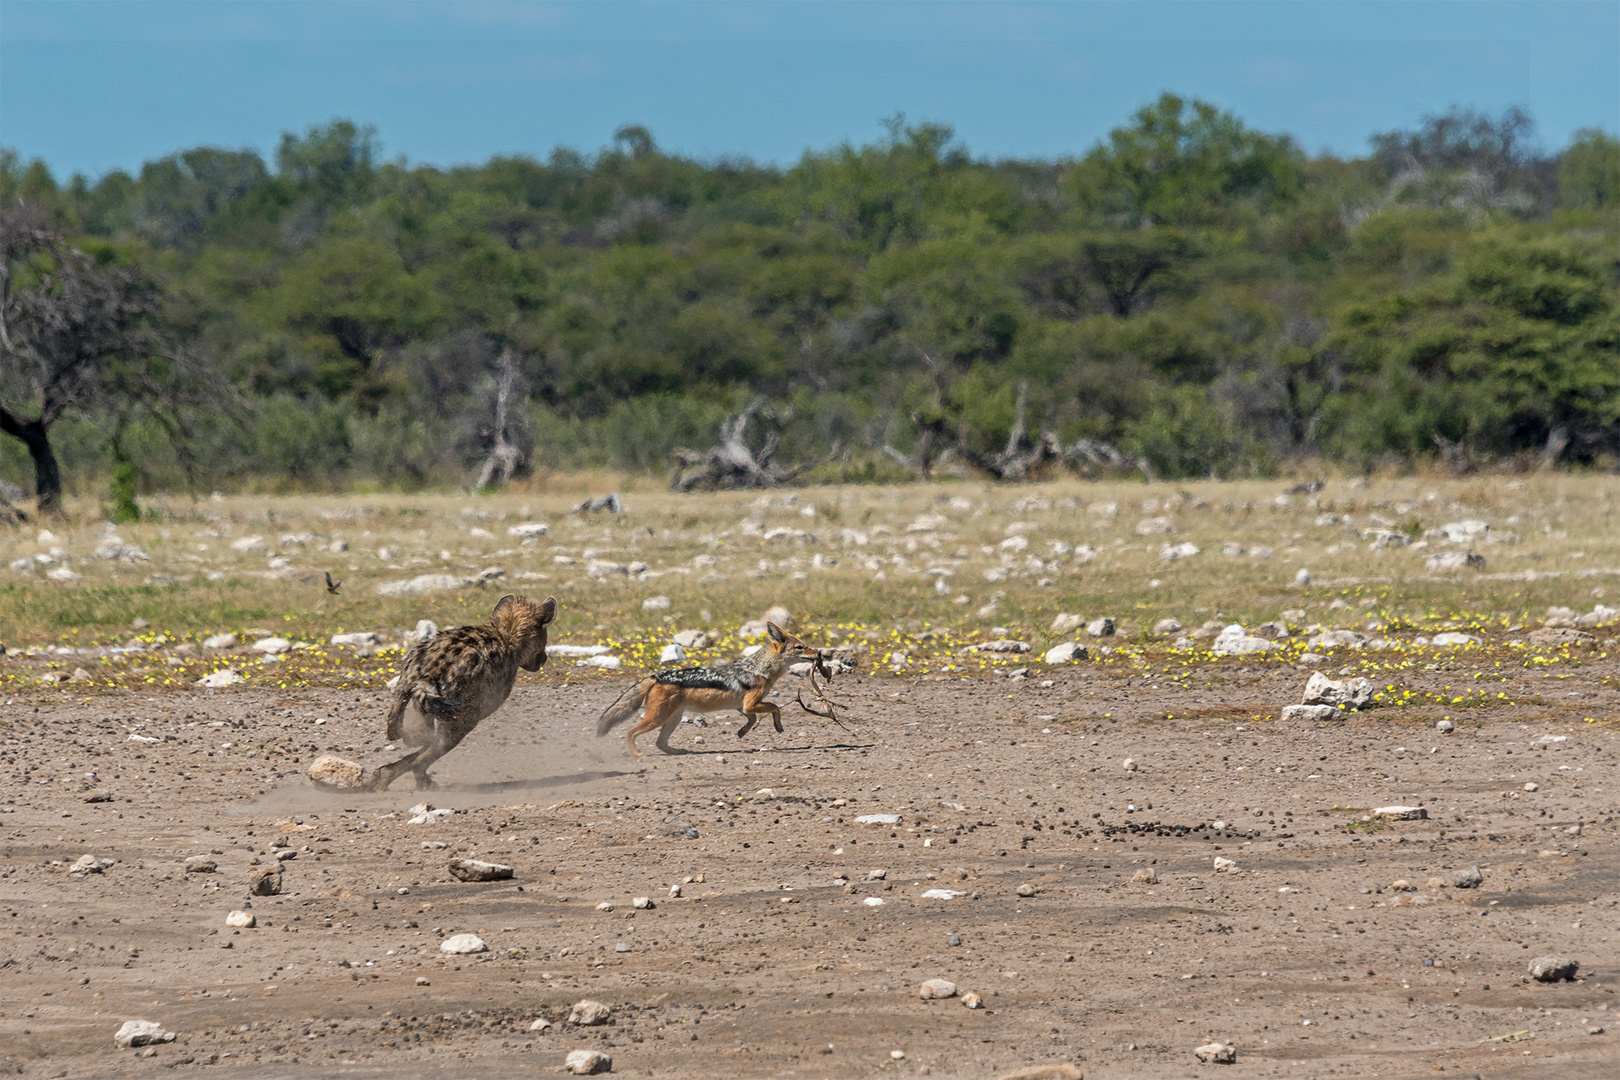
point(35, 435)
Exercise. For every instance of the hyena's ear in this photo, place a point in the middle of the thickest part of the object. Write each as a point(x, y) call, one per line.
point(777, 635)
point(548, 610)
point(503, 603)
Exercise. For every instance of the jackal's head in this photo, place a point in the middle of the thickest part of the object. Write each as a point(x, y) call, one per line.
point(786, 645)
point(524, 625)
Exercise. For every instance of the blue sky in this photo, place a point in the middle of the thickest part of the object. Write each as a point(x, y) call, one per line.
point(94, 86)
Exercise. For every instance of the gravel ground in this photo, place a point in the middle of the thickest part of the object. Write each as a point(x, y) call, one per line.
point(1304, 954)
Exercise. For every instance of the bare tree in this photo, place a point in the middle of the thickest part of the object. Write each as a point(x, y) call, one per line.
point(78, 336)
point(503, 438)
point(735, 464)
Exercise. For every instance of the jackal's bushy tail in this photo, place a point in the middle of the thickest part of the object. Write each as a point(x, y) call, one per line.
point(628, 705)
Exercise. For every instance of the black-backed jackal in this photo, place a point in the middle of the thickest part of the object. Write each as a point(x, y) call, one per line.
point(742, 685)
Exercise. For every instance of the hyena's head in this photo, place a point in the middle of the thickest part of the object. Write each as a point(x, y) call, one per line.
point(785, 644)
point(524, 625)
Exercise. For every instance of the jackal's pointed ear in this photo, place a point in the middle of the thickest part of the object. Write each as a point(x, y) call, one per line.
point(776, 632)
point(548, 610)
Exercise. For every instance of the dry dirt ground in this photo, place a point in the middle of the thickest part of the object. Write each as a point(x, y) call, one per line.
point(1304, 956)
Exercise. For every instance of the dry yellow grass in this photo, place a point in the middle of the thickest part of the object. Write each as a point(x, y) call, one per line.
point(855, 565)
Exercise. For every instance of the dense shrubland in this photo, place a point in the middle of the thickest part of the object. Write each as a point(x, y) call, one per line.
point(1201, 297)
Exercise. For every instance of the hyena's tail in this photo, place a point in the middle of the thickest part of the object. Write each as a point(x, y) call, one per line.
point(418, 696)
point(628, 705)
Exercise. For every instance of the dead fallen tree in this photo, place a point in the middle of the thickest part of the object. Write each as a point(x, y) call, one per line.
point(1039, 457)
point(733, 463)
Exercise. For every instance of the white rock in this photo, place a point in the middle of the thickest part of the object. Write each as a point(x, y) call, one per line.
point(219, 679)
point(1167, 626)
point(1065, 624)
point(1173, 552)
point(1015, 543)
point(142, 1033)
point(604, 568)
point(242, 919)
point(1302, 576)
point(609, 662)
point(1402, 813)
point(528, 528)
point(220, 641)
point(1000, 645)
point(1356, 693)
point(560, 649)
point(655, 603)
point(1461, 532)
point(936, 988)
point(1066, 653)
point(588, 1013)
point(1100, 628)
point(940, 894)
point(1224, 866)
point(478, 870)
point(271, 646)
point(1454, 560)
point(86, 864)
point(672, 654)
point(1445, 727)
point(1216, 1053)
point(539, 1024)
point(1311, 713)
point(331, 771)
point(1451, 639)
point(461, 944)
point(1241, 645)
point(1532, 786)
point(248, 543)
point(62, 573)
point(426, 630)
point(873, 901)
point(972, 1000)
point(878, 819)
point(691, 639)
point(422, 583)
point(360, 639)
point(1333, 639)
point(587, 1062)
point(1152, 525)
point(1129, 765)
point(642, 903)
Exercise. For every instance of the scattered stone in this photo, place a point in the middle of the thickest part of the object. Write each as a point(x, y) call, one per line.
point(1154, 525)
point(359, 640)
point(527, 529)
point(221, 679)
point(1302, 576)
point(97, 795)
point(200, 864)
point(271, 646)
point(1233, 640)
point(1402, 813)
point(876, 875)
point(937, 988)
point(672, 654)
point(609, 662)
point(1065, 624)
point(478, 870)
point(1553, 969)
point(1451, 639)
point(1174, 552)
point(1312, 713)
point(85, 864)
point(642, 903)
point(1468, 878)
point(247, 543)
point(999, 645)
point(220, 641)
point(539, 1024)
point(1129, 764)
point(142, 1033)
point(331, 771)
point(1167, 626)
point(1434, 884)
point(462, 944)
point(1454, 560)
point(1066, 653)
point(1026, 890)
point(1216, 1053)
point(1335, 639)
point(1100, 628)
point(265, 881)
point(1461, 532)
point(422, 583)
point(1532, 786)
point(877, 819)
point(1061, 1071)
point(972, 1000)
point(243, 920)
point(1224, 866)
point(1559, 636)
point(655, 603)
point(692, 639)
point(604, 906)
point(1145, 876)
point(1354, 693)
point(588, 1013)
point(588, 1062)
point(1445, 727)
